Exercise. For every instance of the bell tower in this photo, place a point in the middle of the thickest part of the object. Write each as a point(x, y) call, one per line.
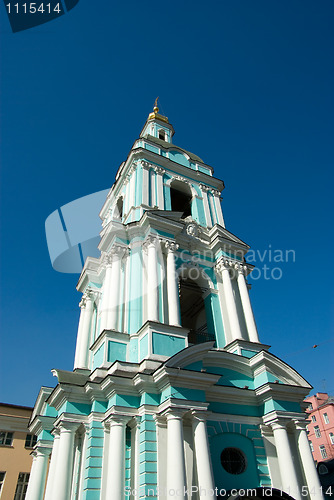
point(170, 274)
point(171, 389)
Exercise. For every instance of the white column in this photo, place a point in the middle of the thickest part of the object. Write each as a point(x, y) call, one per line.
point(107, 287)
point(152, 280)
point(285, 462)
point(50, 485)
point(223, 268)
point(134, 425)
point(81, 351)
point(204, 190)
point(116, 457)
point(205, 478)
point(246, 304)
point(117, 253)
point(160, 187)
point(307, 462)
point(173, 299)
point(37, 477)
point(216, 197)
point(176, 472)
point(146, 172)
point(65, 456)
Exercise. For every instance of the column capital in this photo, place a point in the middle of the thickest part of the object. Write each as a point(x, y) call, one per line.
point(41, 451)
point(89, 295)
point(241, 268)
point(199, 416)
point(300, 425)
point(117, 252)
point(278, 425)
point(117, 420)
point(203, 187)
point(146, 165)
point(150, 241)
point(171, 246)
point(133, 168)
point(65, 426)
point(223, 265)
point(159, 170)
point(174, 414)
point(134, 422)
point(215, 192)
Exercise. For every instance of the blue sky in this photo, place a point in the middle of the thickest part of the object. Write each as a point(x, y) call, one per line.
point(247, 85)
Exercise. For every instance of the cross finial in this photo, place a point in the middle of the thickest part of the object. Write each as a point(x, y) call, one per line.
point(155, 108)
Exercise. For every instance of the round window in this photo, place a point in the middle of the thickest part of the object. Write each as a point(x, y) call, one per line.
point(233, 460)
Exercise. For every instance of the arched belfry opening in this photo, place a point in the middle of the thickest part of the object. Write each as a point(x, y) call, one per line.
point(193, 312)
point(118, 212)
point(181, 196)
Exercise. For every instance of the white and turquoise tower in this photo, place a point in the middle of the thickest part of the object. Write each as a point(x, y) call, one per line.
point(172, 394)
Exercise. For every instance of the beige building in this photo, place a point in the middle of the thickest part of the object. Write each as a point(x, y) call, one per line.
point(16, 444)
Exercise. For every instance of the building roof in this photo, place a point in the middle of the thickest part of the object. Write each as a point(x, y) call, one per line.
point(167, 145)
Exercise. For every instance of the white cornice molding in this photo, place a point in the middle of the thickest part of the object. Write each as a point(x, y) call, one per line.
point(265, 360)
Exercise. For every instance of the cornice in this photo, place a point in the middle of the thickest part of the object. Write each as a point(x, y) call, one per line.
point(156, 159)
point(231, 395)
point(167, 376)
point(265, 360)
point(280, 392)
point(41, 423)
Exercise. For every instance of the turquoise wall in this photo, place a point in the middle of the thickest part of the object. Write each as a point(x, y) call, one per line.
point(98, 357)
point(168, 345)
point(223, 479)
point(116, 351)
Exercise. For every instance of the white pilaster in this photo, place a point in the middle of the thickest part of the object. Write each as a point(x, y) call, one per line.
point(152, 279)
point(204, 190)
point(134, 425)
point(127, 195)
point(117, 253)
point(81, 351)
point(146, 172)
point(213, 209)
point(219, 212)
point(286, 465)
point(107, 287)
point(246, 304)
point(116, 457)
point(160, 187)
point(50, 484)
point(132, 201)
point(176, 472)
point(65, 455)
point(205, 478)
point(223, 268)
point(37, 478)
point(174, 315)
point(307, 462)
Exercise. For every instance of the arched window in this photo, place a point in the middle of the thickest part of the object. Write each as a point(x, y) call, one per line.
point(193, 314)
point(118, 212)
point(162, 134)
point(181, 196)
